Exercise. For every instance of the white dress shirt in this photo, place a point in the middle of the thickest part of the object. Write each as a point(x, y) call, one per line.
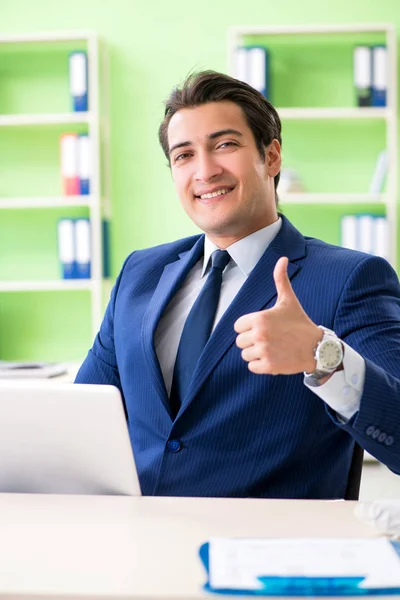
point(342, 392)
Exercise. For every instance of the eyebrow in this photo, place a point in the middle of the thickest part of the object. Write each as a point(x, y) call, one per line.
point(211, 136)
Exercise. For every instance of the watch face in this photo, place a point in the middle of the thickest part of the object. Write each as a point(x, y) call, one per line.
point(330, 354)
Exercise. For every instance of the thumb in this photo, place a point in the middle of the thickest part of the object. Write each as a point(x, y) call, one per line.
point(282, 282)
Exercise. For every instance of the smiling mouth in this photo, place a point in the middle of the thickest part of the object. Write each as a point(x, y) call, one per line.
point(217, 194)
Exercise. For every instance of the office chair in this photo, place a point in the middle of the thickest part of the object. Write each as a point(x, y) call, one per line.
point(353, 483)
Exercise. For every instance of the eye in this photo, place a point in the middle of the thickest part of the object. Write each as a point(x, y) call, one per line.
point(182, 156)
point(227, 145)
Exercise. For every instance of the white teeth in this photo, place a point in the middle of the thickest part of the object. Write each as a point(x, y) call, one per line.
point(215, 194)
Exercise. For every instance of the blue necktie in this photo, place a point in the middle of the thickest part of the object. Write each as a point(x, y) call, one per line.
point(197, 330)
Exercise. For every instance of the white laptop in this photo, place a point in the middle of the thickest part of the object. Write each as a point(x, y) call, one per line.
point(60, 438)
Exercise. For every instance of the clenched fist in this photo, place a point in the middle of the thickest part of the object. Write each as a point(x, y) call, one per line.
point(282, 339)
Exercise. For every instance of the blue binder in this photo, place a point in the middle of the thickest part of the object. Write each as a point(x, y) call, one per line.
point(83, 248)
point(379, 75)
point(258, 69)
point(78, 80)
point(84, 163)
point(302, 586)
point(106, 249)
point(66, 248)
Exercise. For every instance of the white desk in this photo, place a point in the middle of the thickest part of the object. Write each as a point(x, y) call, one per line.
point(140, 548)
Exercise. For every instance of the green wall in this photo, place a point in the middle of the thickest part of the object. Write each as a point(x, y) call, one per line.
point(152, 46)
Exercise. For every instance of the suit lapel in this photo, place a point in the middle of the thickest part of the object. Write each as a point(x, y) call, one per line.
point(171, 279)
point(256, 294)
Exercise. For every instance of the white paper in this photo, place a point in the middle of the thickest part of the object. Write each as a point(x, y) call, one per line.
point(237, 563)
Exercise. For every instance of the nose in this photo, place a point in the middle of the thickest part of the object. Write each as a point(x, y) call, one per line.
point(207, 168)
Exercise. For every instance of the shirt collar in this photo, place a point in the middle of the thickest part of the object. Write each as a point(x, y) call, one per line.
point(246, 252)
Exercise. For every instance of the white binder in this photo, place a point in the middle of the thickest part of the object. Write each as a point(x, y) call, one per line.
point(381, 237)
point(366, 234)
point(379, 75)
point(257, 65)
point(349, 232)
point(363, 74)
point(66, 250)
point(78, 80)
point(83, 248)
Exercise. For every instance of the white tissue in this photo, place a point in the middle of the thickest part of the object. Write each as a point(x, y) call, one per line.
point(383, 515)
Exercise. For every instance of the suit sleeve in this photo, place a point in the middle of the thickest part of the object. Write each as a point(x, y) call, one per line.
point(100, 365)
point(368, 320)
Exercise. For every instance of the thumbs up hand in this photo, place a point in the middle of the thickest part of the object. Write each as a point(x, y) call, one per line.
point(280, 340)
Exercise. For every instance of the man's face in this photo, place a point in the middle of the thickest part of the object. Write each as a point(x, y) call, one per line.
point(222, 183)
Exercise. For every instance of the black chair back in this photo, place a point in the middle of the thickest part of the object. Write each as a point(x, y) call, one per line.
point(353, 483)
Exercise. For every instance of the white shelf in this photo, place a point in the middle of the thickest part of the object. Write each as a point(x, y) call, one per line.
point(46, 286)
point(334, 113)
point(314, 29)
point(71, 118)
point(61, 36)
point(46, 202)
point(97, 124)
point(351, 34)
point(339, 198)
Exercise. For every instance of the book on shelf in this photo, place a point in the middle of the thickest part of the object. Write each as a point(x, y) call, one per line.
point(76, 164)
point(366, 233)
point(69, 164)
point(379, 174)
point(379, 75)
point(370, 75)
point(74, 238)
point(78, 80)
point(252, 67)
point(363, 75)
point(31, 370)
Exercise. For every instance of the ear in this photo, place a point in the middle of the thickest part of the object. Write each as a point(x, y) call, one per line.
point(273, 158)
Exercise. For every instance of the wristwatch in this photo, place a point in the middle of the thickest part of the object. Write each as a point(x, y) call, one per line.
point(328, 354)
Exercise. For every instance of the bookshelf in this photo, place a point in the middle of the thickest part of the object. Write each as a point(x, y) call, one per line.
point(288, 45)
point(25, 123)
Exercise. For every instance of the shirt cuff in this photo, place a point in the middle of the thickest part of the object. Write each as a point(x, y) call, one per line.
point(343, 390)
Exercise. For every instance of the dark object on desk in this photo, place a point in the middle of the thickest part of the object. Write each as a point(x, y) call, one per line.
point(353, 483)
point(31, 370)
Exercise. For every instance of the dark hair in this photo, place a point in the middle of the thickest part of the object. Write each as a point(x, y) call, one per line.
point(211, 86)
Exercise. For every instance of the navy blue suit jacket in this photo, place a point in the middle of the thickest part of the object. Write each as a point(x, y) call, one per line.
point(237, 433)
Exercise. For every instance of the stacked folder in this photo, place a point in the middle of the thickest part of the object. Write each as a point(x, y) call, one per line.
point(75, 248)
point(78, 80)
point(370, 75)
point(76, 161)
point(366, 233)
point(252, 67)
point(301, 567)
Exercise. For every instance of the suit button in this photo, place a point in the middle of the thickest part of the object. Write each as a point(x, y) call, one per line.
point(174, 445)
point(382, 437)
point(389, 440)
point(376, 434)
point(370, 430)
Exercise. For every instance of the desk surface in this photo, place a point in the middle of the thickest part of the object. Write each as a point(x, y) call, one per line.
point(140, 548)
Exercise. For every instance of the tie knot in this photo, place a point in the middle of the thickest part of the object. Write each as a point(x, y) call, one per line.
point(220, 259)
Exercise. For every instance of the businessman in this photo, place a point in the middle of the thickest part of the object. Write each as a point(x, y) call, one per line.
point(250, 358)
